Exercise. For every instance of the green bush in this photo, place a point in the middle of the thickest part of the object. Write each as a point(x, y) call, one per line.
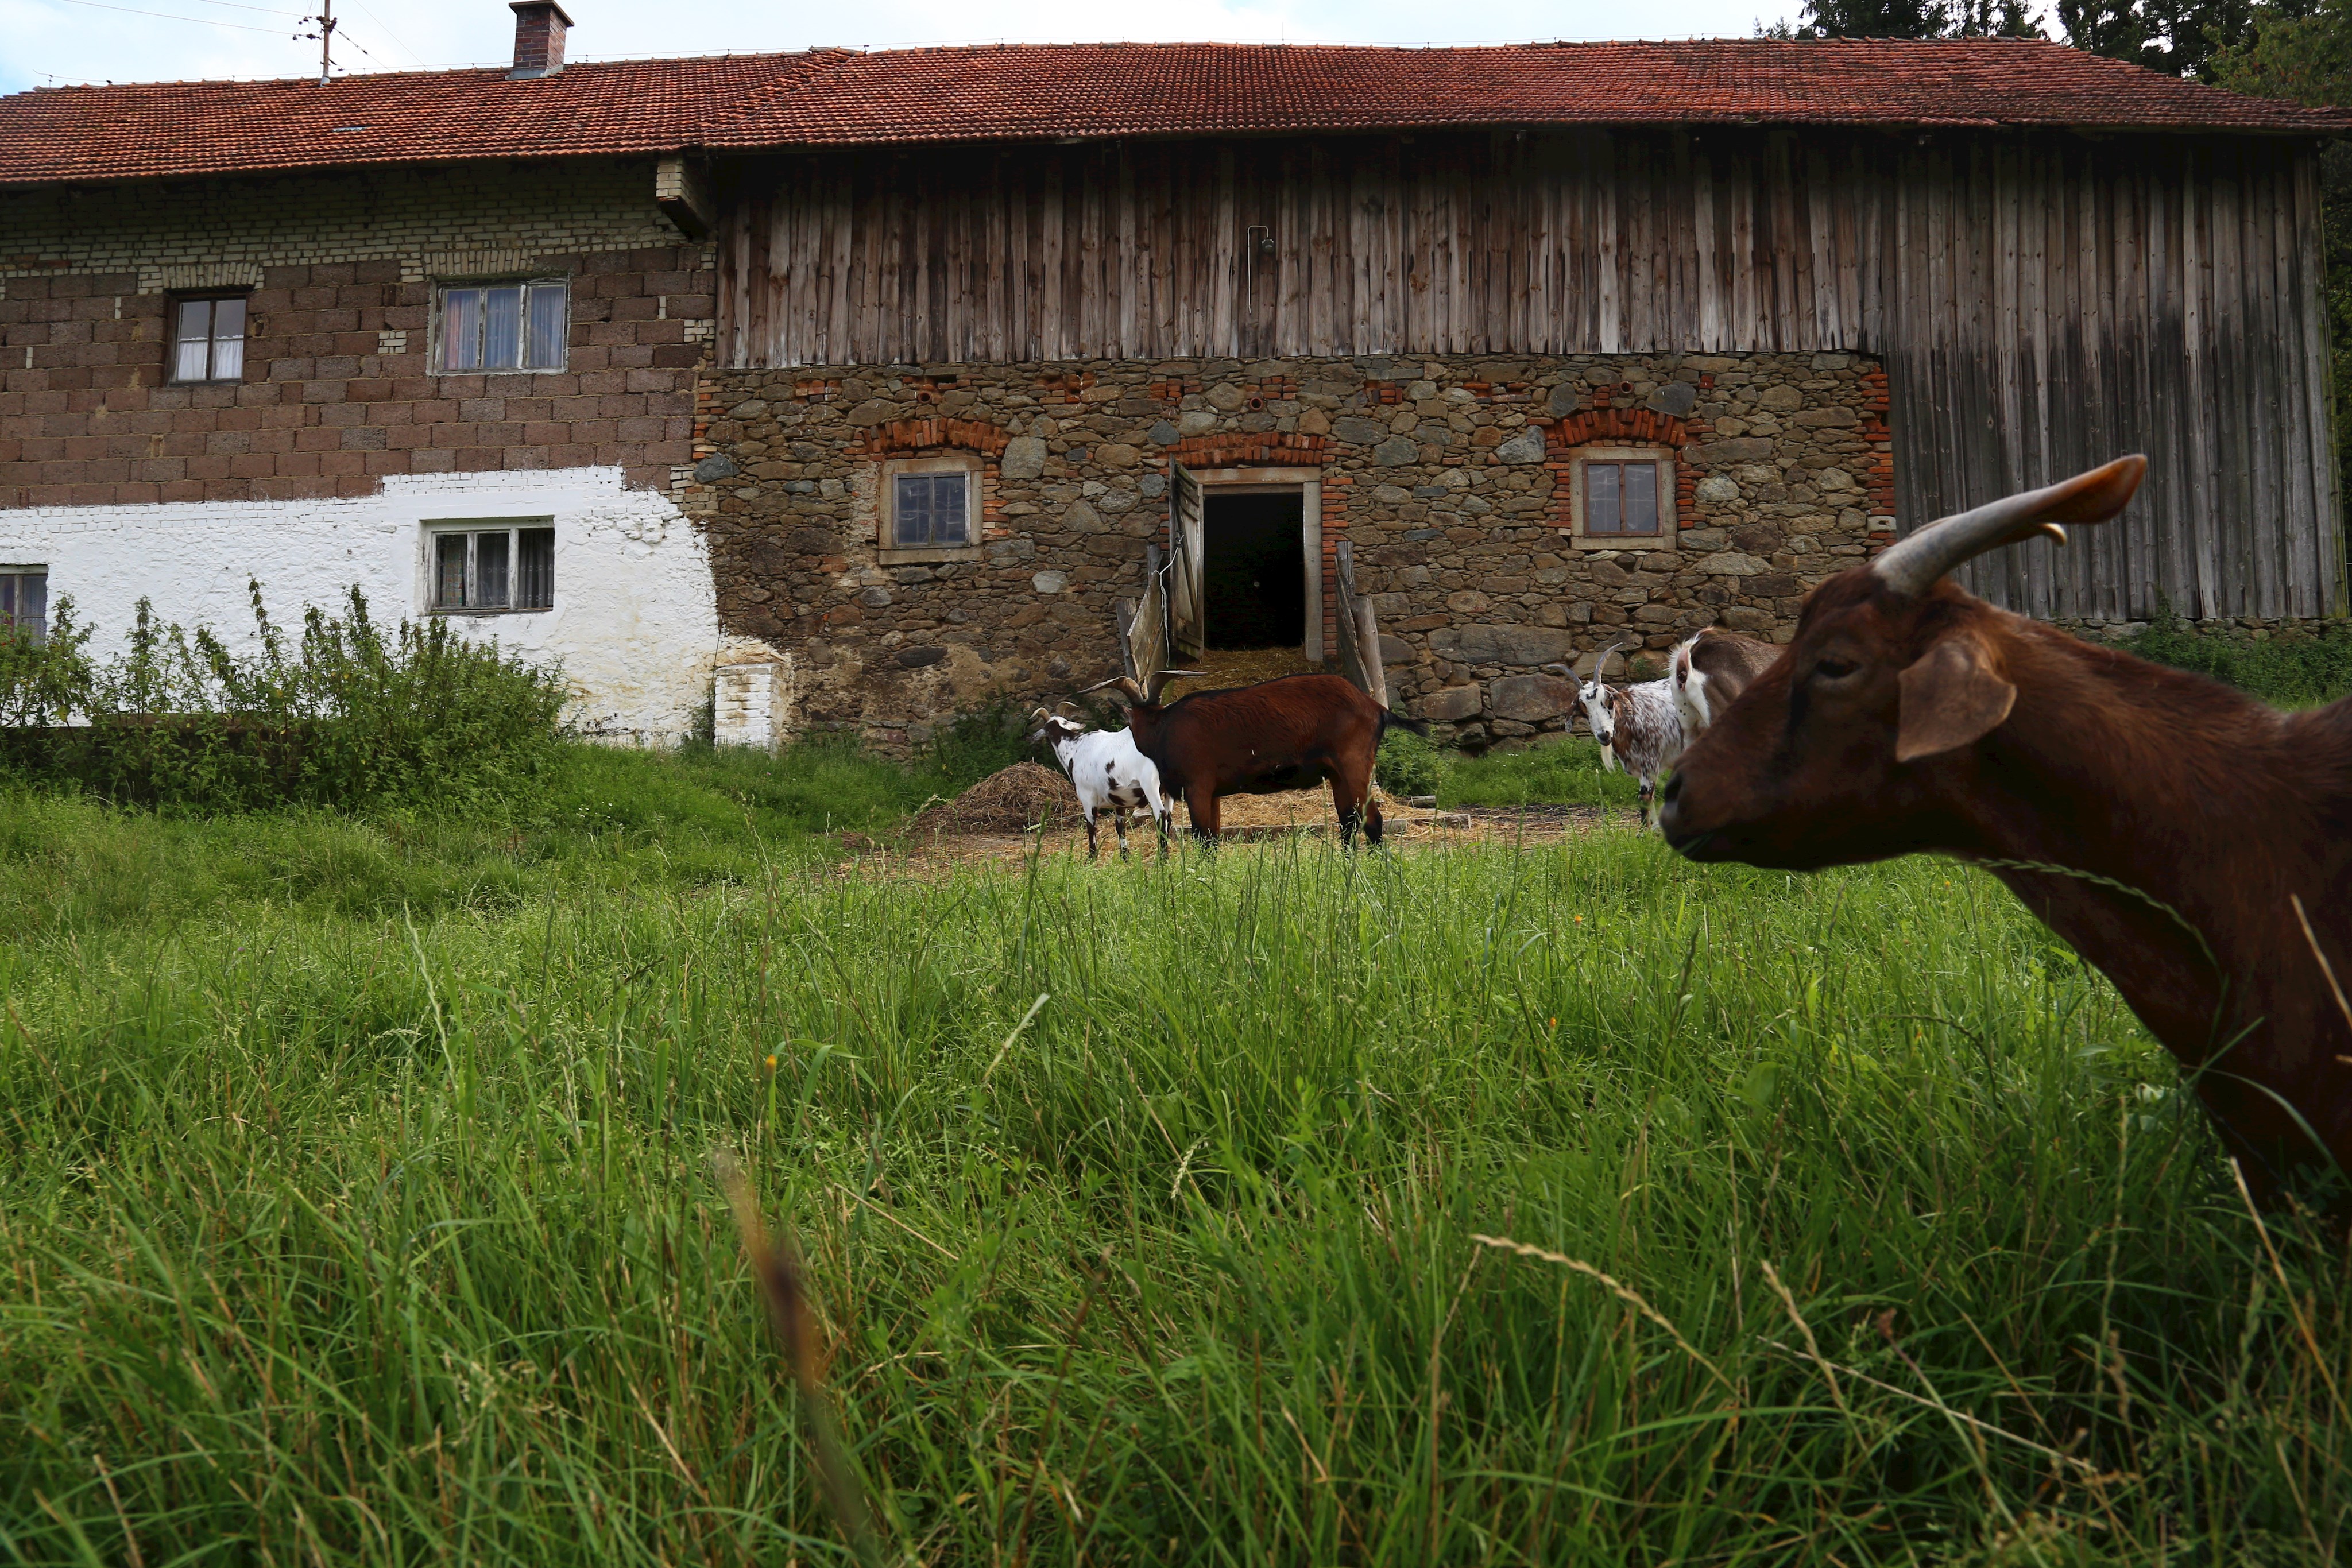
point(969, 748)
point(1409, 765)
point(348, 716)
point(2296, 672)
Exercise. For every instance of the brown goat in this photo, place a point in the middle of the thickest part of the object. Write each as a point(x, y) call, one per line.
point(1280, 734)
point(2162, 823)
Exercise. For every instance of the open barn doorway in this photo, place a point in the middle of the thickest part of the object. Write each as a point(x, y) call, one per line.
point(1254, 575)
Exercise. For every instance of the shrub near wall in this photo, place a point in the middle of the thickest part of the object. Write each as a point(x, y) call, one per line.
point(347, 717)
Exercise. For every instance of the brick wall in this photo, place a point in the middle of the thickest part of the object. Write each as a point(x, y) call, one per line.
point(338, 392)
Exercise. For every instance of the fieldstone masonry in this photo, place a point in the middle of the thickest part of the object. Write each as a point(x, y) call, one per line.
point(1448, 475)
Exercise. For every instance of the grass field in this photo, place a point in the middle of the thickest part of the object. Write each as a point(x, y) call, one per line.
point(358, 1205)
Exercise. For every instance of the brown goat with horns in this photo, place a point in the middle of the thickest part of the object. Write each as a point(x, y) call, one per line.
point(2193, 843)
point(1276, 735)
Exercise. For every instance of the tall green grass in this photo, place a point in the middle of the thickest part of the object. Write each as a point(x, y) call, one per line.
point(352, 1215)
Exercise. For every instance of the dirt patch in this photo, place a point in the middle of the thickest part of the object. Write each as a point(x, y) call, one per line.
point(1012, 801)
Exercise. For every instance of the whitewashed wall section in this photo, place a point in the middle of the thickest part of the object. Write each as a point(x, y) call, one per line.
point(634, 625)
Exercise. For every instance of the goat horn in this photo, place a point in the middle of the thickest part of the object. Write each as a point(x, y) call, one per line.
point(1600, 661)
point(1160, 679)
point(1913, 565)
point(1126, 684)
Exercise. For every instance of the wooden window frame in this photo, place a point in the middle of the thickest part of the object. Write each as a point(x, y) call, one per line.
point(438, 349)
point(885, 505)
point(1669, 525)
point(12, 581)
point(175, 303)
point(472, 529)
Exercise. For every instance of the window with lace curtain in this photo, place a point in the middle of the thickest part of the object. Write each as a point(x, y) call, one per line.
point(208, 337)
point(484, 327)
point(490, 566)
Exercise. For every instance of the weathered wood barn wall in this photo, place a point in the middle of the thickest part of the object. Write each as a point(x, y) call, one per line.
point(2042, 302)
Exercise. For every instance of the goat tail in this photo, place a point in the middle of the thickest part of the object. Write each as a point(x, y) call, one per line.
point(1390, 719)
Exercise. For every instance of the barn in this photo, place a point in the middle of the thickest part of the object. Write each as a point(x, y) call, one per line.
point(1539, 346)
point(853, 391)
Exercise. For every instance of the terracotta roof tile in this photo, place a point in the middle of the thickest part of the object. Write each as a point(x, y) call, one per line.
point(836, 97)
point(1007, 92)
point(179, 128)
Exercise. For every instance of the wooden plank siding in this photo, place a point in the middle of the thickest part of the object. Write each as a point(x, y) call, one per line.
point(2041, 301)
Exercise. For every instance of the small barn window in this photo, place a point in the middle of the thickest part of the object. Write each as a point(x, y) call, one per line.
point(208, 339)
point(1623, 499)
point(930, 508)
point(489, 327)
point(25, 601)
point(484, 568)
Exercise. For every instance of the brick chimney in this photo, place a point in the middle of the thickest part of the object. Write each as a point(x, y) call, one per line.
point(540, 26)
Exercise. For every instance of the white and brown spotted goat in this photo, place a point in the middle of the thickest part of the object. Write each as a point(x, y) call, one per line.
point(1637, 727)
point(1106, 769)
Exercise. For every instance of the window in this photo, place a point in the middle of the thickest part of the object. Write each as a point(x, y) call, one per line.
point(931, 507)
point(1620, 499)
point(929, 510)
point(1623, 499)
point(476, 569)
point(505, 326)
point(208, 339)
point(24, 600)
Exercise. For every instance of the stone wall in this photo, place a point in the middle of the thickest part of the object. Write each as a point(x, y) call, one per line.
point(1448, 475)
point(338, 393)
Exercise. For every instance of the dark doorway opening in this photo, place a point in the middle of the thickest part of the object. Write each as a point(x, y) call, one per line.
point(1254, 571)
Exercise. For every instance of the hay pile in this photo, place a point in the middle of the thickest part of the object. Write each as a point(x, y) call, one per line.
point(1012, 801)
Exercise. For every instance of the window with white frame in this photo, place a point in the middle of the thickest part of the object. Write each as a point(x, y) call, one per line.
point(1623, 497)
point(482, 566)
point(208, 337)
point(516, 325)
point(25, 601)
point(931, 506)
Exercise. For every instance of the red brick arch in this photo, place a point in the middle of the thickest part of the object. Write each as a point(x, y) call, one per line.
point(1646, 426)
point(899, 436)
point(1274, 450)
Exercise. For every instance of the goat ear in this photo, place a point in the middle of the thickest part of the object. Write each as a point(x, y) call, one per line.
point(1951, 695)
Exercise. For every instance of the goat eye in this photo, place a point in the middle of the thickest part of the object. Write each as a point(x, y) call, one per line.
point(1835, 669)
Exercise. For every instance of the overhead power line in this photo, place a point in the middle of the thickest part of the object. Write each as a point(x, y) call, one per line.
point(171, 16)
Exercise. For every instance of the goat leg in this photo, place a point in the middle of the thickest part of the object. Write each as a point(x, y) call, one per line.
point(1118, 821)
point(1091, 851)
point(1201, 802)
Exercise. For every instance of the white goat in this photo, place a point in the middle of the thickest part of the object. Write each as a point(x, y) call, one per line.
point(1711, 668)
point(1637, 727)
point(1106, 769)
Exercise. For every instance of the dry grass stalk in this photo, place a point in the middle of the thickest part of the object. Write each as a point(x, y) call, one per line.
point(777, 1269)
point(1625, 1294)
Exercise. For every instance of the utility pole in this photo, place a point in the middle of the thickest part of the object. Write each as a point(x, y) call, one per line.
point(326, 37)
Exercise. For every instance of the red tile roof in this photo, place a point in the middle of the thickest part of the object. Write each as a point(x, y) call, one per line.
point(1027, 91)
point(836, 96)
point(171, 129)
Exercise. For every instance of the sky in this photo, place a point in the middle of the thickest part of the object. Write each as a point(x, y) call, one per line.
point(52, 41)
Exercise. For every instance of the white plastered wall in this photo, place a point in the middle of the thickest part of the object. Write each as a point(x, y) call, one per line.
point(634, 625)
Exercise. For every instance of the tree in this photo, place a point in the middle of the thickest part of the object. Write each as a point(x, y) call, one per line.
point(1910, 19)
point(2175, 37)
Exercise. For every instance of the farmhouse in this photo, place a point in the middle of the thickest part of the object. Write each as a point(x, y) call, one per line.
point(874, 385)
